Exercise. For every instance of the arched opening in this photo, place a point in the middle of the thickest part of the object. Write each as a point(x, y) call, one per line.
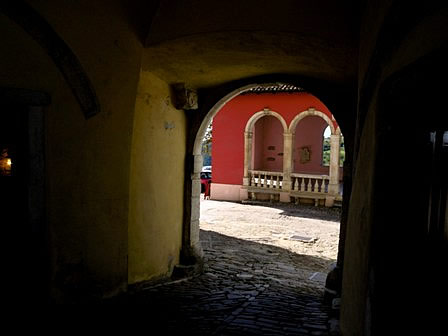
point(326, 146)
point(254, 161)
point(267, 145)
point(307, 142)
point(191, 245)
point(311, 179)
point(264, 153)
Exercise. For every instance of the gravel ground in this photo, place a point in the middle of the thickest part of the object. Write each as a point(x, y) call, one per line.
point(296, 231)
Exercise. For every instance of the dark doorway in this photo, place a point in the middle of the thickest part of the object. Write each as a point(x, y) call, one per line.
point(409, 245)
point(22, 186)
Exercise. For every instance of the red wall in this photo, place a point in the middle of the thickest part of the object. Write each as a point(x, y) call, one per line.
point(268, 133)
point(309, 132)
point(231, 120)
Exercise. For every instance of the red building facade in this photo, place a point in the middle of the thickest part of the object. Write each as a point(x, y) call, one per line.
point(267, 140)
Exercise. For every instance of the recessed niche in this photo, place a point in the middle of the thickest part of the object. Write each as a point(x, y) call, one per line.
point(270, 159)
point(280, 154)
point(271, 147)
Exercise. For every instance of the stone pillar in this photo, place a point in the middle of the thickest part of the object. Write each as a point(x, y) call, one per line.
point(333, 283)
point(333, 187)
point(247, 157)
point(244, 195)
point(287, 167)
point(191, 254)
point(195, 205)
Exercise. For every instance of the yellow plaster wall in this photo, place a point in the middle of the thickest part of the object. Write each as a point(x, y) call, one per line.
point(87, 161)
point(157, 182)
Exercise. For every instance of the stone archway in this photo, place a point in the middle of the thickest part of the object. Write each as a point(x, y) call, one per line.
point(57, 49)
point(248, 141)
point(335, 142)
point(192, 246)
point(215, 99)
point(312, 112)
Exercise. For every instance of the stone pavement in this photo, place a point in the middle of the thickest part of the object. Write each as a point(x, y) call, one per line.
point(246, 288)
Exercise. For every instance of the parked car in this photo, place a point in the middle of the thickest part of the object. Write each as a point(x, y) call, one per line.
point(207, 169)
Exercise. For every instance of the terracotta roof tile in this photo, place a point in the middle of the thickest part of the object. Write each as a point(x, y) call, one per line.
point(274, 88)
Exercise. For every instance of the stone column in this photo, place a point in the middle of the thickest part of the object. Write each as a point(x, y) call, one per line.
point(191, 254)
point(287, 167)
point(333, 187)
point(195, 205)
point(247, 156)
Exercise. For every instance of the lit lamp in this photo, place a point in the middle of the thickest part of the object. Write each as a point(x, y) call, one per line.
point(5, 163)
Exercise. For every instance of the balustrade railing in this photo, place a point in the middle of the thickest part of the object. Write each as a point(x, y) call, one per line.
point(299, 182)
point(310, 183)
point(265, 179)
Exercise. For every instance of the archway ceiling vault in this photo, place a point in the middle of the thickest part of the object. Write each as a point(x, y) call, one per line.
point(207, 43)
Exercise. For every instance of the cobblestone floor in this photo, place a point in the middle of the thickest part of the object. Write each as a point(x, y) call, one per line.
point(247, 288)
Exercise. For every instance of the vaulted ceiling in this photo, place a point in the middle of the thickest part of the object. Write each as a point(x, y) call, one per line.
point(206, 43)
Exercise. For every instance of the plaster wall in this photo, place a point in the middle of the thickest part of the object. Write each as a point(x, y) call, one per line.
point(381, 56)
point(156, 183)
point(357, 243)
point(309, 132)
point(268, 144)
point(225, 192)
point(87, 161)
point(257, 142)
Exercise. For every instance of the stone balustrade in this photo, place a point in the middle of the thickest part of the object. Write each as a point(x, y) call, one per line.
point(265, 179)
point(275, 184)
point(310, 183)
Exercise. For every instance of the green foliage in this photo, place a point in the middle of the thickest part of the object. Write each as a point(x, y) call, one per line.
point(326, 152)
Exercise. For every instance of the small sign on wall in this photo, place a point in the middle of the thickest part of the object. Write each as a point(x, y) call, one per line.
point(305, 154)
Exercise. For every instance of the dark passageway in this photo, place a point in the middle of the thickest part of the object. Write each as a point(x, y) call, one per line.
point(107, 190)
point(247, 288)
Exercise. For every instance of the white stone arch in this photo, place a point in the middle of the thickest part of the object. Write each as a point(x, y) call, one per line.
point(215, 109)
point(312, 112)
point(266, 112)
point(335, 142)
point(248, 136)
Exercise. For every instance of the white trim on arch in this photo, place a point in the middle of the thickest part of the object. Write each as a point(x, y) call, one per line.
point(308, 113)
point(266, 112)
